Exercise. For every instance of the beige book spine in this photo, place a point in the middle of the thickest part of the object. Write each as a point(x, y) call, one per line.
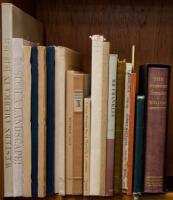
point(26, 122)
point(99, 112)
point(87, 132)
point(42, 121)
point(66, 59)
point(6, 84)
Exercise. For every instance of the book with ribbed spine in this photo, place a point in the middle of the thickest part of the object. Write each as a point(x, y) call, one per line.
point(99, 99)
point(31, 30)
point(111, 124)
point(138, 145)
point(87, 144)
point(119, 122)
point(154, 84)
point(77, 88)
point(126, 125)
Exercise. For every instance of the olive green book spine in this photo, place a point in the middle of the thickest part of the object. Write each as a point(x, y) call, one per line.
point(119, 122)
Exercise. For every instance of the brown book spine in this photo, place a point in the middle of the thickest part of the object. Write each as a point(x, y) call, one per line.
point(156, 129)
point(131, 134)
point(74, 131)
point(119, 123)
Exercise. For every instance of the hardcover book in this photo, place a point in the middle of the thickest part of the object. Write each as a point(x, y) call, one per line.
point(30, 29)
point(111, 124)
point(139, 146)
point(126, 125)
point(87, 145)
point(131, 134)
point(99, 114)
point(50, 60)
point(42, 114)
point(34, 121)
point(65, 59)
point(154, 84)
point(77, 88)
point(26, 121)
point(119, 123)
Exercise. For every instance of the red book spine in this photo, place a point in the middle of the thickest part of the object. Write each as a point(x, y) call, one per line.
point(156, 129)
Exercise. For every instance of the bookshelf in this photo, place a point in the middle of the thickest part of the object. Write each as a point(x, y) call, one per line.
point(146, 23)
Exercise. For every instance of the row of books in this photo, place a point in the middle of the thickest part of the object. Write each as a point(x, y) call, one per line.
point(67, 132)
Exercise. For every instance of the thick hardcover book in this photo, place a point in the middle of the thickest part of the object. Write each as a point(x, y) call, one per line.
point(26, 122)
point(76, 90)
point(131, 134)
point(42, 134)
point(154, 84)
point(32, 30)
point(99, 114)
point(139, 145)
point(17, 113)
point(87, 145)
point(50, 60)
point(119, 123)
point(111, 124)
point(65, 59)
point(34, 121)
point(126, 124)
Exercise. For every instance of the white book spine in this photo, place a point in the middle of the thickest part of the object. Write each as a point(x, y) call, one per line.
point(60, 83)
point(6, 12)
point(112, 95)
point(126, 125)
point(99, 80)
point(17, 114)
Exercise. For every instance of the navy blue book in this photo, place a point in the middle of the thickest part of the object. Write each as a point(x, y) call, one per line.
point(34, 121)
point(50, 59)
point(139, 146)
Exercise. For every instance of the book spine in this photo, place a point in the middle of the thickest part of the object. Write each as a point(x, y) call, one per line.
point(42, 121)
point(126, 124)
point(139, 145)
point(87, 144)
point(99, 99)
point(26, 122)
point(17, 117)
point(111, 124)
point(50, 60)
point(131, 134)
point(6, 82)
point(34, 120)
point(156, 129)
point(119, 122)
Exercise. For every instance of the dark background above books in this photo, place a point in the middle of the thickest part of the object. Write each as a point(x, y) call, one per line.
point(146, 23)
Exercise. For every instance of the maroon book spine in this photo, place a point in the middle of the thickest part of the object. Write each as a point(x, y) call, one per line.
point(156, 121)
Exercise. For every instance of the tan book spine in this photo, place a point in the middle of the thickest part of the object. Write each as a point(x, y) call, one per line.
point(26, 122)
point(74, 132)
point(42, 121)
point(87, 132)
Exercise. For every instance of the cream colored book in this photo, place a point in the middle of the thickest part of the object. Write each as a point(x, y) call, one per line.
point(65, 59)
point(42, 72)
point(126, 125)
point(99, 114)
point(26, 122)
point(87, 142)
point(17, 24)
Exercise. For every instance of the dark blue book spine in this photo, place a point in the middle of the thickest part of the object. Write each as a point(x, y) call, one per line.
point(34, 121)
point(138, 175)
point(50, 57)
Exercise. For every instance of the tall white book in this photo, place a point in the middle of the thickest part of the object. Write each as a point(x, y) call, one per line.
point(65, 59)
point(126, 124)
point(17, 24)
point(99, 113)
